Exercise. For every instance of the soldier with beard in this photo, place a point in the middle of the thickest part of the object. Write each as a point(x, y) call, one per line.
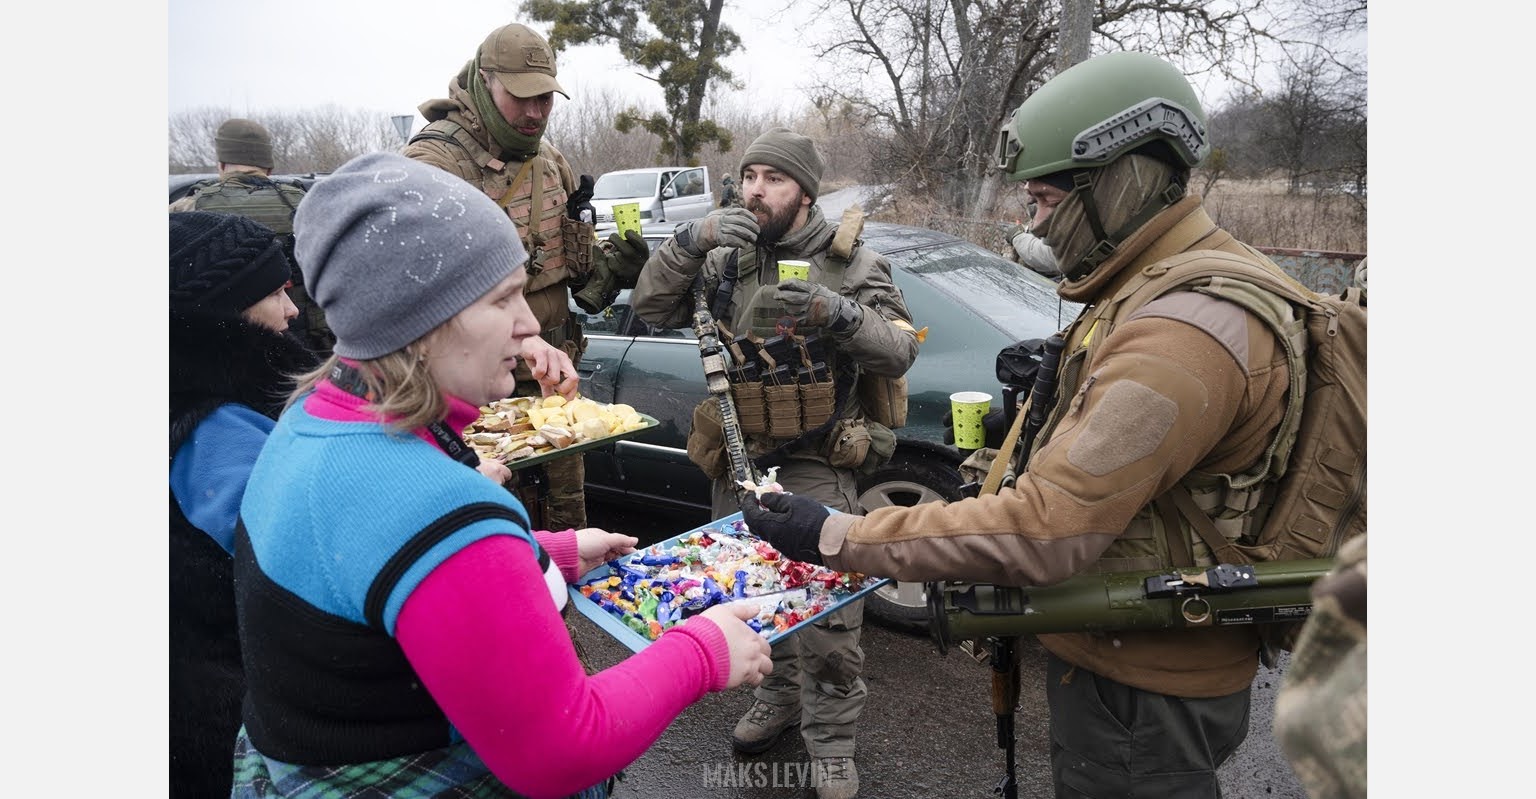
point(231, 367)
point(851, 306)
point(490, 132)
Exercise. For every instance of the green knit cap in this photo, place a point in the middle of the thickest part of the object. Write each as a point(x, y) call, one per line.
point(243, 141)
point(791, 153)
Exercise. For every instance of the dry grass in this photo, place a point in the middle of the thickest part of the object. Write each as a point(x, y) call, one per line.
point(1258, 212)
point(1262, 214)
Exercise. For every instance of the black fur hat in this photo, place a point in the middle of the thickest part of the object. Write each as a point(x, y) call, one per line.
point(223, 263)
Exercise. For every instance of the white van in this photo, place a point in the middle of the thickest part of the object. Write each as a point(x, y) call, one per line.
point(664, 194)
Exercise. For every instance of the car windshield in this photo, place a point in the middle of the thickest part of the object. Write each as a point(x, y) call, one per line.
point(613, 186)
point(1013, 299)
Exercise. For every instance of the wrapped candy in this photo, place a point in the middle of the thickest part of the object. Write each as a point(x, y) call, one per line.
point(663, 585)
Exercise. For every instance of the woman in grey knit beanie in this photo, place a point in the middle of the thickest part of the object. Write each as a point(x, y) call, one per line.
point(400, 619)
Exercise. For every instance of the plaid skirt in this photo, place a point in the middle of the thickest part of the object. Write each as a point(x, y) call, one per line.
point(453, 772)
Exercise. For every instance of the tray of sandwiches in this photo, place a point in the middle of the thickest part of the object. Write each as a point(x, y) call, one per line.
point(526, 431)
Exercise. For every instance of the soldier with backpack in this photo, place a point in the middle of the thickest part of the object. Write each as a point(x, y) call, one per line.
point(1207, 409)
point(245, 186)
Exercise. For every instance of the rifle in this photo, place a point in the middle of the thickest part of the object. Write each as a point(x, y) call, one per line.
point(712, 354)
point(1005, 697)
point(1005, 662)
point(1042, 397)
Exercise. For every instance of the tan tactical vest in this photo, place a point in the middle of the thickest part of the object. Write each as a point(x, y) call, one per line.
point(534, 195)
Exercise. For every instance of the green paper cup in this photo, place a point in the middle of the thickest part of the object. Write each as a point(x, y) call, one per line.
point(795, 269)
point(967, 408)
point(626, 216)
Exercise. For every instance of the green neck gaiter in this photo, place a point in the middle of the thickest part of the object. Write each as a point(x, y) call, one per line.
point(513, 144)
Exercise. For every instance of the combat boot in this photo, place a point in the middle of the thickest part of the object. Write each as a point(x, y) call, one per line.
point(762, 725)
point(835, 778)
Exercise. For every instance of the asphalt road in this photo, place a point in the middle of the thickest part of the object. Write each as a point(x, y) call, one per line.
point(927, 729)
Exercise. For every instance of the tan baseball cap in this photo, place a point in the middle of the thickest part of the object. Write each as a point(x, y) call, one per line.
point(521, 60)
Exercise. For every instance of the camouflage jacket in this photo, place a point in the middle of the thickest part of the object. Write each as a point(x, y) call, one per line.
point(1320, 712)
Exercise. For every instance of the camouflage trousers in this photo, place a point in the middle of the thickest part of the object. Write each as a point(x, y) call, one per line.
point(553, 493)
point(555, 496)
point(819, 667)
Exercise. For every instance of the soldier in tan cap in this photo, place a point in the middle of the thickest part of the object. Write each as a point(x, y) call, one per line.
point(490, 132)
point(245, 186)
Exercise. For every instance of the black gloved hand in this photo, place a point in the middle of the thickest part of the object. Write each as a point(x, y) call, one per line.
point(791, 523)
point(994, 426)
point(578, 204)
point(626, 255)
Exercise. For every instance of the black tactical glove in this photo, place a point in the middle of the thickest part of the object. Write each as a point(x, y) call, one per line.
point(815, 305)
point(791, 523)
point(626, 255)
point(578, 204)
point(722, 227)
point(994, 426)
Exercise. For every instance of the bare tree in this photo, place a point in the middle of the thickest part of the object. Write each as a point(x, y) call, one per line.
point(583, 130)
point(952, 72)
point(312, 140)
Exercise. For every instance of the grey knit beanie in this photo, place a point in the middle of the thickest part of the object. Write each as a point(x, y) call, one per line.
point(790, 153)
point(391, 248)
point(243, 141)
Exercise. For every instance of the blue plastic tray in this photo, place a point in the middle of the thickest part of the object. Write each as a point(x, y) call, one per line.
point(635, 641)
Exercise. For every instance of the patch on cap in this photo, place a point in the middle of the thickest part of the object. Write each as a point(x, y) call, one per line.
point(521, 60)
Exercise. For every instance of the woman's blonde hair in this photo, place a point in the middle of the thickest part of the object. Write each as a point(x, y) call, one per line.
point(405, 394)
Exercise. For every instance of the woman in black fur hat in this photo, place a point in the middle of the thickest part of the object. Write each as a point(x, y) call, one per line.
point(231, 361)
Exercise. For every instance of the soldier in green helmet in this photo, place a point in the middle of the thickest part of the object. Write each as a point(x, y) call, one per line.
point(1188, 389)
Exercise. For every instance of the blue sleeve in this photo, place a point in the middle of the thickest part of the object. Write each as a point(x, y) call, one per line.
point(209, 471)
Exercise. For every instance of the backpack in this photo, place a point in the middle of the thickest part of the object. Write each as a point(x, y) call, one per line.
point(1313, 472)
point(272, 203)
point(265, 200)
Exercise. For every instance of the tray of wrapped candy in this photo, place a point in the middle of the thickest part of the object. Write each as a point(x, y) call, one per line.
point(524, 431)
point(639, 596)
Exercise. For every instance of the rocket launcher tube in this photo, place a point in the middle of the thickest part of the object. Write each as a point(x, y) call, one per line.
point(1258, 593)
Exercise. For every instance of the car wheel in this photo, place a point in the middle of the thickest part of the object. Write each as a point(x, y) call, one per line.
point(907, 480)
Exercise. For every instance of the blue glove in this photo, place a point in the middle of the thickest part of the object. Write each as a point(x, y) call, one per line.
point(791, 523)
point(815, 305)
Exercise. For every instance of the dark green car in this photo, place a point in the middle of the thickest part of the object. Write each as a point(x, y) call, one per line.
point(973, 302)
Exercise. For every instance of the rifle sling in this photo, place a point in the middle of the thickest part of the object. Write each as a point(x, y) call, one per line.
point(1179, 553)
point(1221, 549)
point(994, 479)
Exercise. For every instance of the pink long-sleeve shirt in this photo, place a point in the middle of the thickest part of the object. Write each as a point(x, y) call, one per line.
point(483, 634)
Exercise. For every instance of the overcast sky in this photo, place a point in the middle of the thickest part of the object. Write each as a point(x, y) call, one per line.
point(391, 55)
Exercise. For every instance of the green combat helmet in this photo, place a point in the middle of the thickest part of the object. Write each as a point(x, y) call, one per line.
point(1100, 109)
point(1099, 123)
